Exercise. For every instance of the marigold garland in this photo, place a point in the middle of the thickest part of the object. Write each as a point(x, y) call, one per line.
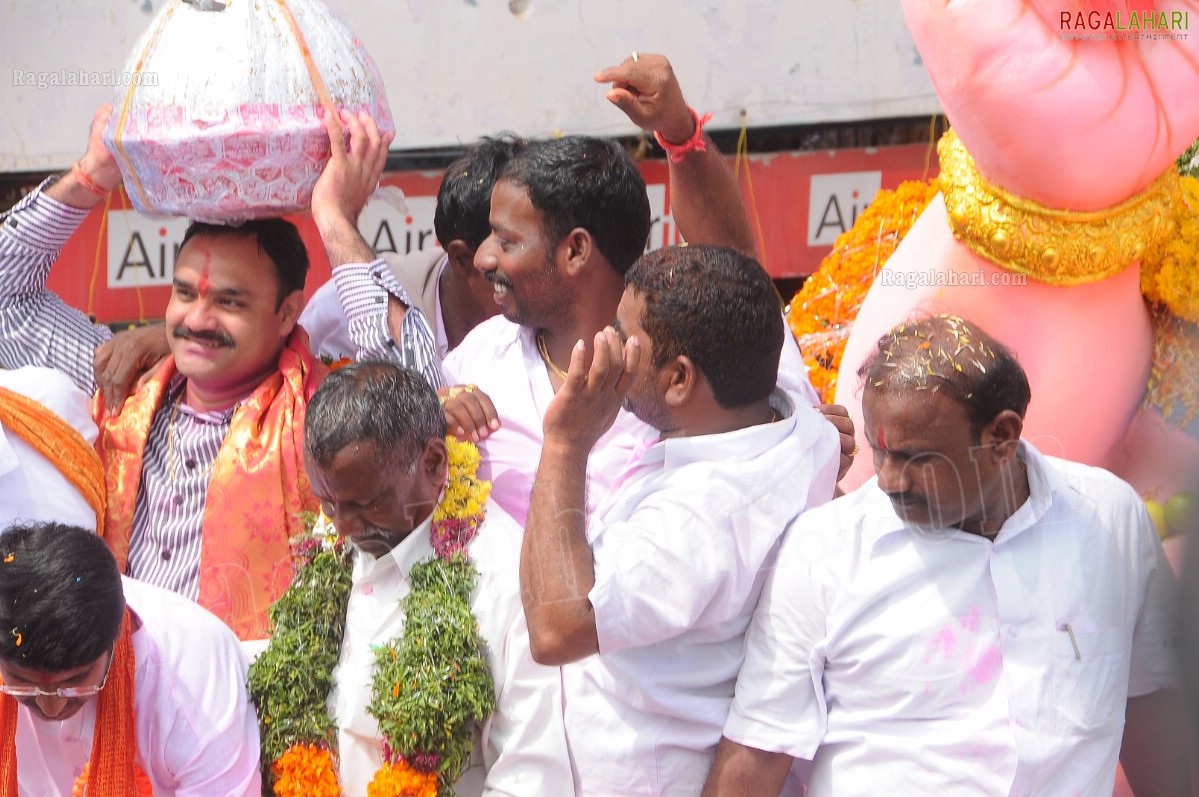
point(400, 779)
point(431, 684)
point(305, 770)
point(823, 311)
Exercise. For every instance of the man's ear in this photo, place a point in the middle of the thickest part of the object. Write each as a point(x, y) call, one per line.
point(461, 256)
point(289, 312)
point(680, 379)
point(1002, 435)
point(579, 246)
point(434, 462)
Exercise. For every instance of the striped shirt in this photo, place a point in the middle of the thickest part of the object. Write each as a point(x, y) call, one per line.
point(38, 328)
point(363, 289)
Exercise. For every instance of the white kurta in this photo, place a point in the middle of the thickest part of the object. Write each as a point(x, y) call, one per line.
point(681, 552)
point(521, 749)
point(502, 359)
point(921, 662)
point(31, 487)
point(197, 734)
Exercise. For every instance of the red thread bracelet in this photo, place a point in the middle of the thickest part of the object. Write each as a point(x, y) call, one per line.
point(85, 180)
point(696, 143)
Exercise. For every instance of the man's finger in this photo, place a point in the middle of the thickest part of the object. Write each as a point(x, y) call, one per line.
point(615, 74)
point(601, 361)
point(358, 139)
point(337, 136)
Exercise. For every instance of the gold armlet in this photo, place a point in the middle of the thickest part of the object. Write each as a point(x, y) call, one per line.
point(1057, 247)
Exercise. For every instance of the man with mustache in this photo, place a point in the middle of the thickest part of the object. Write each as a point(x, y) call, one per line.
point(378, 459)
point(980, 619)
point(204, 463)
point(568, 218)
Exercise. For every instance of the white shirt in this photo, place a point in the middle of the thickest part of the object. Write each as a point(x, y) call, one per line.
point(680, 551)
point(197, 735)
point(521, 749)
point(922, 662)
point(31, 487)
point(502, 359)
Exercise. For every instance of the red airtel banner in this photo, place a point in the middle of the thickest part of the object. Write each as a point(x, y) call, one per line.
point(118, 265)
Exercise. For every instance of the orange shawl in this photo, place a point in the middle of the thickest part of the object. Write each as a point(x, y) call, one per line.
point(257, 490)
point(58, 442)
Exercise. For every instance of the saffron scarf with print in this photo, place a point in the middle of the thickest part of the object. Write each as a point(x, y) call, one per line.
point(257, 490)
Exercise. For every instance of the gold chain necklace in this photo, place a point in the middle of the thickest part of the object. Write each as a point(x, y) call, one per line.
point(545, 355)
point(171, 441)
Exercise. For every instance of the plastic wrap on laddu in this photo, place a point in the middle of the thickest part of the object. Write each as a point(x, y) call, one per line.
point(223, 123)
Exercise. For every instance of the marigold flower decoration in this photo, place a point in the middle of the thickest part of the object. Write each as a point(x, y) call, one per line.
point(305, 770)
point(823, 311)
point(431, 684)
point(1170, 284)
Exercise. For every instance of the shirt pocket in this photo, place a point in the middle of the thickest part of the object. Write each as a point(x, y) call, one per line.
point(1090, 677)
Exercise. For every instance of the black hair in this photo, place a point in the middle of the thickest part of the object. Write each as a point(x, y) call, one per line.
point(955, 357)
point(393, 407)
point(61, 599)
point(278, 239)
point(464, 199)
point(579, 181)
point(719, 308)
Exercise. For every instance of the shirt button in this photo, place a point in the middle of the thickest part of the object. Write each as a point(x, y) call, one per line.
point(190, 464)
point(178, 500)
point(166, 554)
point(1013, 632)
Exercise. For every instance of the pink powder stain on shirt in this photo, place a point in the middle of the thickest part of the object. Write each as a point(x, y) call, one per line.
point(988, 666)
point(972, 622)
point(945, 641)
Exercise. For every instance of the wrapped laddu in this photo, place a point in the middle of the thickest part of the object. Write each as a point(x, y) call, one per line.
point(222, 121)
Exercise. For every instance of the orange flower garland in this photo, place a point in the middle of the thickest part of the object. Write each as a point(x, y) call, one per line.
point(398, 779)
point(822, 312)
point(305, 770)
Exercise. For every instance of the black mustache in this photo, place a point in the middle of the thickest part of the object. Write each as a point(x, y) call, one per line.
point(219, 338)
point(907, 497)
point(495, 279)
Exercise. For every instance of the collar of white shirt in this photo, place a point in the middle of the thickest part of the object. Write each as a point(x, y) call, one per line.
point(1043, 482)
point(411, 550)
point(674, 452)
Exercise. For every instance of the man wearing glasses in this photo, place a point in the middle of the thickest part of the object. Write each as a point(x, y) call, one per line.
point(113, 687)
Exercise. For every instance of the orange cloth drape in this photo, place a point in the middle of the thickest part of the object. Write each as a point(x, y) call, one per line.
point(60, 443)
point(257, 490)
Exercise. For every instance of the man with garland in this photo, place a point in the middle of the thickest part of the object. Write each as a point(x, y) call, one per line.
point(112, 687)
point(651, 594)
point(980, 619)
point(377, 454)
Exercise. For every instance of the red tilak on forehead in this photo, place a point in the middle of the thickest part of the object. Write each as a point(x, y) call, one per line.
point(882, 442)
point(205, 285)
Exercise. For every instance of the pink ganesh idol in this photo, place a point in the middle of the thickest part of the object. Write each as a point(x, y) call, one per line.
point(1057, 177)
